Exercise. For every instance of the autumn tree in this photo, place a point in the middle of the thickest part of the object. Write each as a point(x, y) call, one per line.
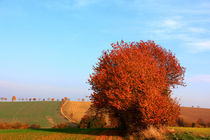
point(65, 98)
point(201, 122)
point(133, 82)
point(13, 98)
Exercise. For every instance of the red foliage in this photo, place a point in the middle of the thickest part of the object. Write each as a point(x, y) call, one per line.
point(34, 126)
point(92, 121)
point(13, 98)
point(18, 126)
point(133, 80)
point(62, 125)
point(66, 99)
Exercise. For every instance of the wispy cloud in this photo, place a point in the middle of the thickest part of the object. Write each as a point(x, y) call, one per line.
point(178, 28)
point(171, 24)
point(200, 78)
point(70, 4)
point(197, 30)
point(81, 3)
point(169, 28)
point(199, 46)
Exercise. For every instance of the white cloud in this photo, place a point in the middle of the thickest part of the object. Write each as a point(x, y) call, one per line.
point(82, 3)
point(170, 23)
point(200, 45)
point(177, 28)
point(200, 78)
point(196, 30)
point(70, 4)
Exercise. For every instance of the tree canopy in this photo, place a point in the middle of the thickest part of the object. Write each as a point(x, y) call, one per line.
point(133, 82)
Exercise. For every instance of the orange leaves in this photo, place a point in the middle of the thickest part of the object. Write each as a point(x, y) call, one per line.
point(13, 98)
point(137, 76)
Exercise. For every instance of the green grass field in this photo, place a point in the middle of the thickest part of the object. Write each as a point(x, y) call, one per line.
point(189, 133)
point(46, 114)
point(180, 133)
point(60, 134)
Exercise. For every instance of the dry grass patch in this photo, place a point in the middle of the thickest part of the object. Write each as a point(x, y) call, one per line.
point(153, 133)
point(76, 109)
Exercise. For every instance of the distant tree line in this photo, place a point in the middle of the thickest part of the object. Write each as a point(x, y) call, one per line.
point(14, 99)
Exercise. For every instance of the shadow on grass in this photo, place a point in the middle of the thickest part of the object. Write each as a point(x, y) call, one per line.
point(89, 131)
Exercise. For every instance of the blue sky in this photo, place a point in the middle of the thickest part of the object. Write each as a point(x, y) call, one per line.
point(48, 48)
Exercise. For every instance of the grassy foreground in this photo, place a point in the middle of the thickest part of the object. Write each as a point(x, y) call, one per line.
point(180, 133)
point(59, 134)
point(189, 133)
point(46, 114)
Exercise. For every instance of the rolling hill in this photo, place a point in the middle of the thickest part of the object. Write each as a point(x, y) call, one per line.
point(189, 114)
point(76, 108)
point(46, 114)
point(192, 115)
